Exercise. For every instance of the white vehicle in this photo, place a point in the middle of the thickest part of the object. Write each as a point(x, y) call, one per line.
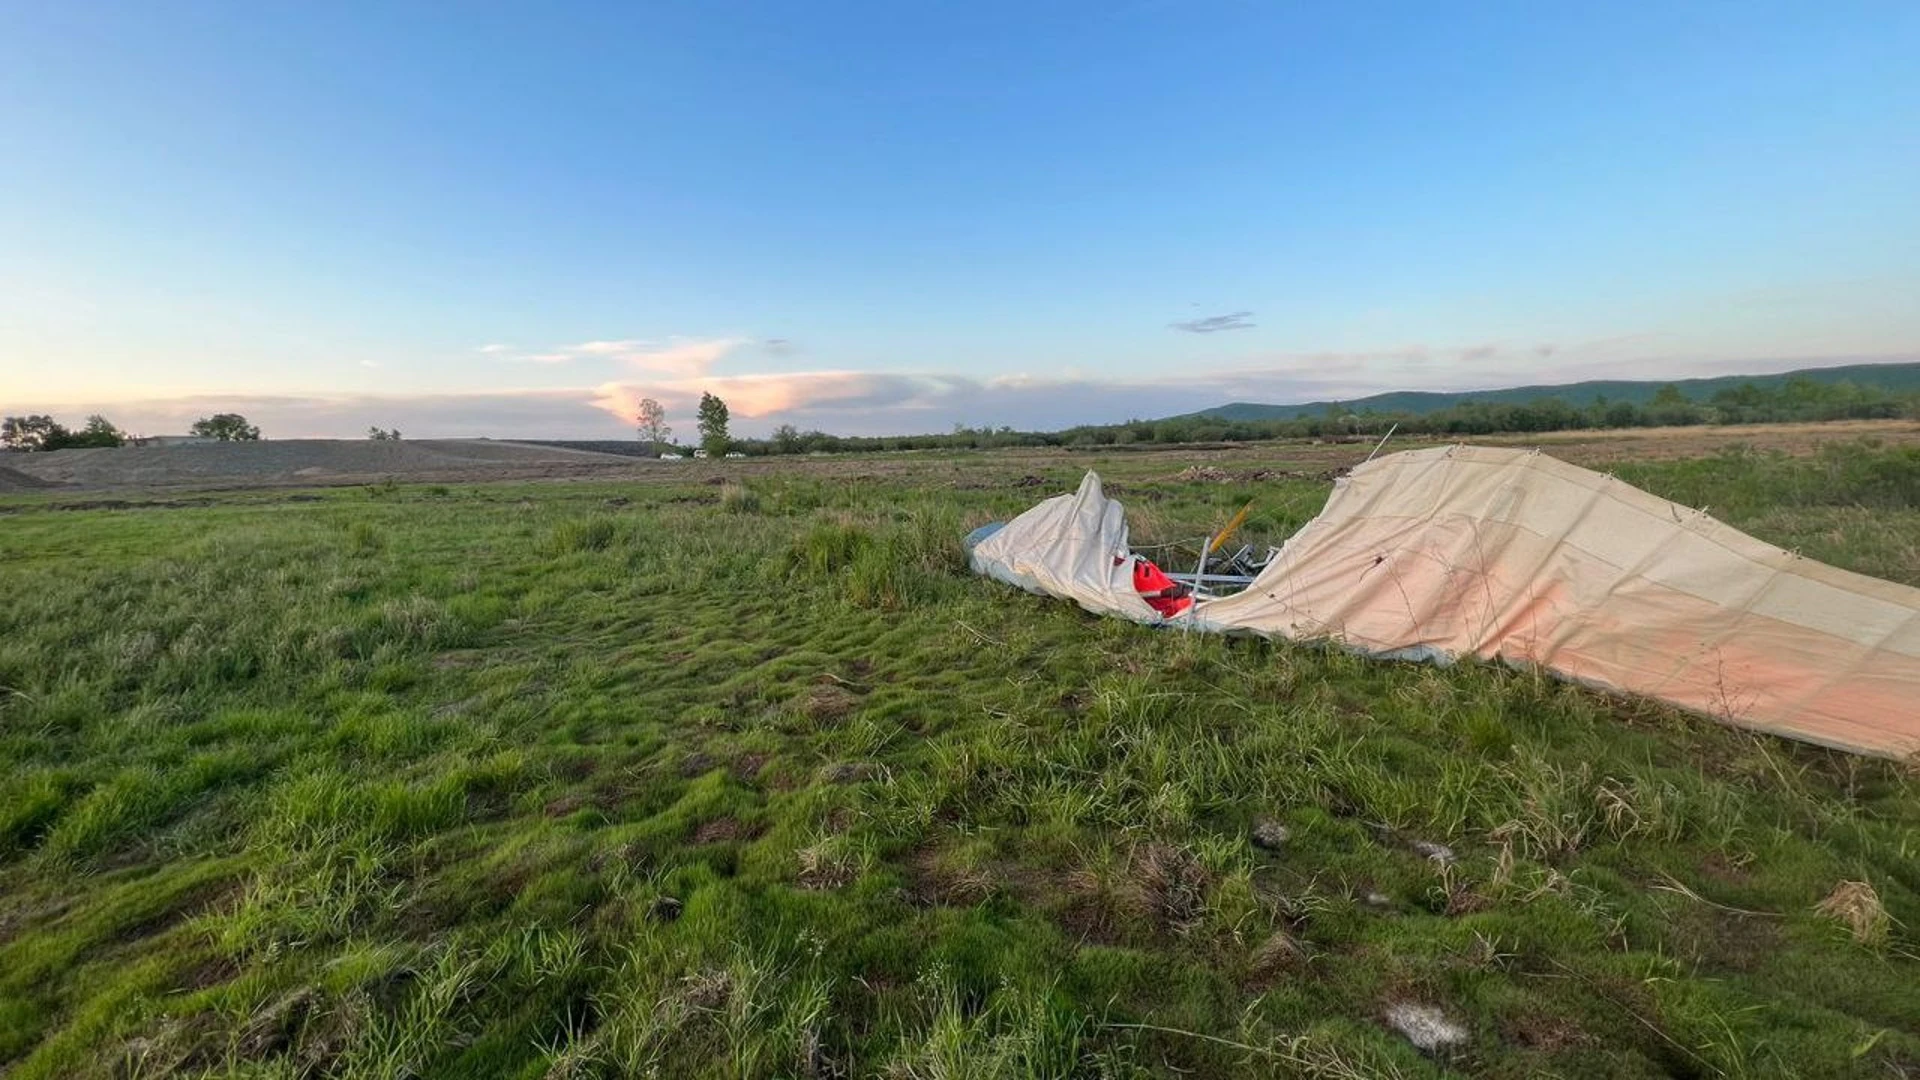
point(699, 453)
point(669, 457)
point(735, 454)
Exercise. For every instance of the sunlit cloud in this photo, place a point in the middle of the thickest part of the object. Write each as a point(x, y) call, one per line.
point(752, 397)
point(674, 357)
point(681, 357)
point(606, 348)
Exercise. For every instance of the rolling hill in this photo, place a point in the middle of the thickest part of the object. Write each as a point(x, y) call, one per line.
point(1900, 377)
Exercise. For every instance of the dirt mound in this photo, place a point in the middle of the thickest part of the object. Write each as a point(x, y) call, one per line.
point(15, 480)
point(310, 461)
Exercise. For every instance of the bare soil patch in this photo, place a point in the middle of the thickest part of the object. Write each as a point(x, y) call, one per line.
point(306, 463)
point(337, 462)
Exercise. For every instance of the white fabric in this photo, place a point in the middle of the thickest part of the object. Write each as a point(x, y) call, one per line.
point(1067, 547)
point(1511, 554)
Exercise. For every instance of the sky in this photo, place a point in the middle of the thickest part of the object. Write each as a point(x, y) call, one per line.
point(519, 220)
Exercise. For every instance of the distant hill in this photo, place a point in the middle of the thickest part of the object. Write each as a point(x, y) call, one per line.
point(1900, 378)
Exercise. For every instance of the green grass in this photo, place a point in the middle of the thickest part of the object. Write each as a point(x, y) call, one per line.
point(754, 780)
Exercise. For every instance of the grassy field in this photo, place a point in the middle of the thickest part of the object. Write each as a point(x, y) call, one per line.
point(719, 779)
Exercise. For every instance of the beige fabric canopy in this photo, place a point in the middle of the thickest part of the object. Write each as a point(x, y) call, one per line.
point(1511, 554)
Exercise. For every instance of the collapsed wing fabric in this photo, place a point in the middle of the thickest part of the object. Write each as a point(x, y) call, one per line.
point(1513, 555)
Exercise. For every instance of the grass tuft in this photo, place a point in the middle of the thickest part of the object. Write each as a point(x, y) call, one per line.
point(1856, 906)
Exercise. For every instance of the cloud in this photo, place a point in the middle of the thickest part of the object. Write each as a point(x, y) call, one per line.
point(681, 357)
point(605, 348)
point(369, 363)
point(779, 346)
point(1213, 324)
point(753, 397)
point(877, 403)
point(1478, 353)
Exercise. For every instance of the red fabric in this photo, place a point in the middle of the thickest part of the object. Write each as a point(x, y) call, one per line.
point(1148, 579)
point(1160, 592)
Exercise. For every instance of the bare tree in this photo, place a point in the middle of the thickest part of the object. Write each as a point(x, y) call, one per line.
point(653, 423)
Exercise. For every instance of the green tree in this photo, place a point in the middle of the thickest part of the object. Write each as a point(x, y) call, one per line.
point(383, 434)
point(31, 433)
point(713, 425)
point(227, 427)
point(98, 432)
point(1668, 396)
point(786, 439)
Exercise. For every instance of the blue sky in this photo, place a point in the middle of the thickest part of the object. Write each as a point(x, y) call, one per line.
point(518, 220)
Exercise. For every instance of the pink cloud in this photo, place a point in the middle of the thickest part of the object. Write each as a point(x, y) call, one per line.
point(753, 397)
point(681, 357)
point(675, 357)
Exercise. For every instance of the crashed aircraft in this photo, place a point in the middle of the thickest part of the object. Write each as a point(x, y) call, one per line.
point(1504, 554)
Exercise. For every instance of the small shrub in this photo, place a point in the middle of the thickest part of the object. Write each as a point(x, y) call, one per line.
point(739, 499)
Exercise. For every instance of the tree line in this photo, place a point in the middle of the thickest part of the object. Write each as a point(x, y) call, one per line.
point(1795, 401)
point(39, 432)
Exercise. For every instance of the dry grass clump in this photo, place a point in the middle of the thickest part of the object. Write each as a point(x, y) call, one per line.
point(1855, 905)
point(830, 862)
point(1173, 884)
point(828, 703)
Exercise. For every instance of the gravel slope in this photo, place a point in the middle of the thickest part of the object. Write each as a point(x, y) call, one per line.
point(308, 461)
point(15, 480)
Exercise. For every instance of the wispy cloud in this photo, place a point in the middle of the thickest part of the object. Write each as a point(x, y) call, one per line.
point(606, 348)
point(680, 357)
point(1213, 324)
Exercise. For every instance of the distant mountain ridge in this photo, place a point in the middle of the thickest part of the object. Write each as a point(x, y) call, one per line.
point(1896, 377)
